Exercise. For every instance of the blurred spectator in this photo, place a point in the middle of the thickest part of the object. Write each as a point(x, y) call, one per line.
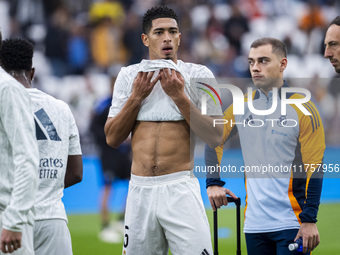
point(51, 6)
point(313, 18)
point(206, 52)
point(132, 39)
point(214, 26)
point(107, 9)
point(56, 41)
point(313, 23)
point(77, 6)
point(24, 15)
point(235, 27)
point(78, 54)
point(253, 8)
point(107, 47)
point(106, 40)
point(212, 47)
point(116, 164)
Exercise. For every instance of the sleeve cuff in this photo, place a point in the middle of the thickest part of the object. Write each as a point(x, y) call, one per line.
point(13, 220)
point(214, 182)
point(309, 215)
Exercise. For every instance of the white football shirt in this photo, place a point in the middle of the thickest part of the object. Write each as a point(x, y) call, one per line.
point(158, 106)
point(58, 137)
point(18, 155)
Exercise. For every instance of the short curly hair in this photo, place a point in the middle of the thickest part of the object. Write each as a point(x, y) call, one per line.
point(156, 13)
point(16, 55)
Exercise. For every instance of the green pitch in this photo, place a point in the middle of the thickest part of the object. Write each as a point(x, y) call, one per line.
point(84, 231)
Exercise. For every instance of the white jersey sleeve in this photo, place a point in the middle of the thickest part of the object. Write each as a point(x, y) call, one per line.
point(121, 90)
point(74, 141)
point(18, 180)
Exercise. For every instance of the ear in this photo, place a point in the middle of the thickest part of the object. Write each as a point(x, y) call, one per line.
point(283, 64)
point(32, 73)
point(179, 41)
point(145, 40)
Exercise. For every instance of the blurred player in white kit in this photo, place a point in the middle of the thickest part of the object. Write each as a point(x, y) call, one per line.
point(60, 157)
point(18, 164)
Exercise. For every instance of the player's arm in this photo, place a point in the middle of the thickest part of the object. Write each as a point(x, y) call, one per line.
point(18, 123)
point(202, 125)
point(118, 128)
point(74, 168)
point(215, 190)
point(312, 140)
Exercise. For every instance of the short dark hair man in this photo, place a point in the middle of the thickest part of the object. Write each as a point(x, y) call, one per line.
point(281, 205)
point(156, 102)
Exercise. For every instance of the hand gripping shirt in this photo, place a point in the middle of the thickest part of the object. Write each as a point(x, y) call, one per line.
point(18, 155)
point(283, 189)
point(57, 136)
point(158, 106)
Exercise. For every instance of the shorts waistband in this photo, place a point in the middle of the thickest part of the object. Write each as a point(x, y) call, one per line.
point(161, 179)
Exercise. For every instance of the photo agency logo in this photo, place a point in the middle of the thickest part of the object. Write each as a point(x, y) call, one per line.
point(239, 105)
point(214, 94)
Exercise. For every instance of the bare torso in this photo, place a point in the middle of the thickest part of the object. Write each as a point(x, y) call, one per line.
point(161, 148)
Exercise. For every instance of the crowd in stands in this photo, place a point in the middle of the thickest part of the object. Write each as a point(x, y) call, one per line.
point(81, 44)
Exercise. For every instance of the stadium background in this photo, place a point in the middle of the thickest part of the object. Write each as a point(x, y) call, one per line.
point(81, 44)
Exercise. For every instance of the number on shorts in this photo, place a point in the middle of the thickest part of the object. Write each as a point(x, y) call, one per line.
point(126, 237)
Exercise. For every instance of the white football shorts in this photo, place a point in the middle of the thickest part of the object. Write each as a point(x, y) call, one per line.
point(52, 237)
point(165, 212)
